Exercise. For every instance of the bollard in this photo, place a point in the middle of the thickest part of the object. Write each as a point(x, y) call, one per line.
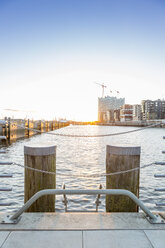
point(47, 126)
point(43, 158)
point(122, 159)
point(40, 126)
point(6, 127)
point(9, 128)
point(28, 126)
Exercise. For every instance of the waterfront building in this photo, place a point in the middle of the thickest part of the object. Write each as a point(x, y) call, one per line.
point(152, 110)
point(126, 113)
point(107, 104)
point(110, 115)
point(137, 112)
point(117, 115)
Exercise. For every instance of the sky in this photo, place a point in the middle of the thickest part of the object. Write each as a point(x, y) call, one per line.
point(53, 51)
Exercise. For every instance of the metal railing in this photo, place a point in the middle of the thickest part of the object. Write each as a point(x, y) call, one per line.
point(5, 175)
point(160, 204)
point(154, 219)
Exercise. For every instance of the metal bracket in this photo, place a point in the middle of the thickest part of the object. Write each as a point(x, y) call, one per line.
point(8, 220)
point(157, 220)
point(97, 202)
point(65, 201)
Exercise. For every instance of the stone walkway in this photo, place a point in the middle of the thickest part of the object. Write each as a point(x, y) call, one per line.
point(82, 230)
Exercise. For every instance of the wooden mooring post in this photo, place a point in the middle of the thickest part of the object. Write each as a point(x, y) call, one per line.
point(40, 157)
point(9, 128)
point(118, 159)
point(28, 126)
point(13, 129)
point(5, 127)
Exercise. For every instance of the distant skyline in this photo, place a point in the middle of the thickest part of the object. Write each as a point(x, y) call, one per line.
point(52, 52)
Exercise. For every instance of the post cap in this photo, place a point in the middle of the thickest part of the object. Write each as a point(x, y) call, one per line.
point(124, 150)
point(39, 149)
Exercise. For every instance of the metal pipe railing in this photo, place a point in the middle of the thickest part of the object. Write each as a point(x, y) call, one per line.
point(5, 189)
point(160, 163)
point(159, 175)
point(6, 175)
point(83, 192)
point(160, 189)
point(160, 204)
point(5, 163)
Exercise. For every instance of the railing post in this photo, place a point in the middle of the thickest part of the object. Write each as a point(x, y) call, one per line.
point(121, 159)
point(43, 158)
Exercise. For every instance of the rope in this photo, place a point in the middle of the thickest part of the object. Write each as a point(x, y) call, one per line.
point(90, 136)
point(83, 175)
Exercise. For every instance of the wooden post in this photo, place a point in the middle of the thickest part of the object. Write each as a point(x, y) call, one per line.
point(122, 159)
point(40, 126)
point(56, 125)
point(43, 158)
point(5, 127)
point(9, 128)
point(28, 126)
point(51, 123)
point(48, 126)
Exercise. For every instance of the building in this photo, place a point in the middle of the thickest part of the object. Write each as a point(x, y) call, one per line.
point(110, 115)
point(152, 110)
point(137, 112)
point(106, 104)
point(117, 115)
point(126, 113)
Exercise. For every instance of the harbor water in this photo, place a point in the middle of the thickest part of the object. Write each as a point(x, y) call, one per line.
point(81, 161)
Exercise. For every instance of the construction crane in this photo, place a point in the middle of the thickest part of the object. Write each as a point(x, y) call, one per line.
point(103, 86)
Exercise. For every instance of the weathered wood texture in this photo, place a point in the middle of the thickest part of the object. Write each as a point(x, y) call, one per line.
point(121, 159)
point(42, 158)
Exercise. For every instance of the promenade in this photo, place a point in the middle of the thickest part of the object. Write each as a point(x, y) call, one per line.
point(82, 230)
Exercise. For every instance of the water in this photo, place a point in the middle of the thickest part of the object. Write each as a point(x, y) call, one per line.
point(87, 155)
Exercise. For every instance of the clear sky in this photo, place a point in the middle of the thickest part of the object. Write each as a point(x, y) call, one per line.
point(52, 52)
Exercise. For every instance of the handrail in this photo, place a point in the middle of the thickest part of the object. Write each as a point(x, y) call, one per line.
point(82, 192)
point(160, 204)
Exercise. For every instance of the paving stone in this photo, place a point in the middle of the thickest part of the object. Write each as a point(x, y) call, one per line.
point(81, 221)
point(44, 239)
point(157, 238)
point(116, 239)
point(3, 236)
